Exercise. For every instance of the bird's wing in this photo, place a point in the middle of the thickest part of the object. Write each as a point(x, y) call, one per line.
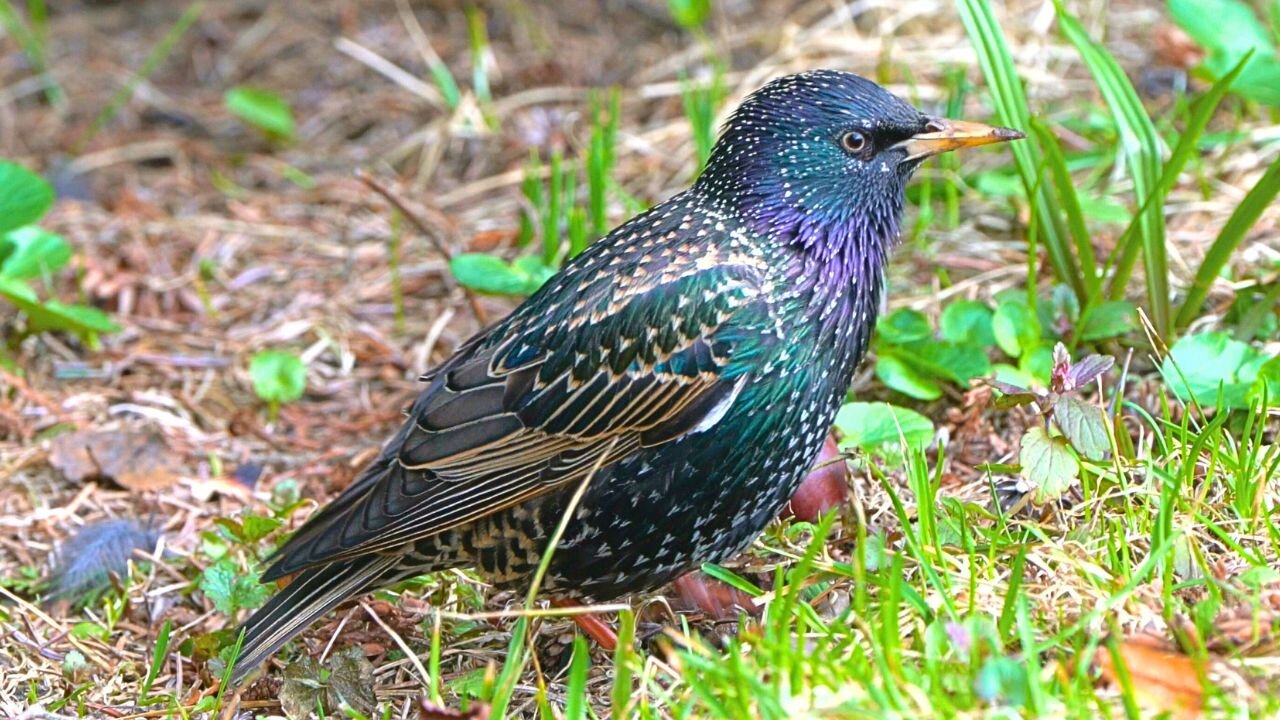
point(623, 363)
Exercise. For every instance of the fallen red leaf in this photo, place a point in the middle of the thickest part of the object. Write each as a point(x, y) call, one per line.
point(1161, 678)
point(136, 460)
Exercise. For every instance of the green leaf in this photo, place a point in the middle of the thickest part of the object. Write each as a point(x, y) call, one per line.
point(1038, 363)
point(1015, 327)
point(968, 321)
point(263, 109)
point(1047, 463)
point(1141, 148)
point(898, 375)
point(495, 276)
point(1083, 424)
point(1002, 681)
point(32, 252)
point(1198, 365)
point(1267, 384)
point(278, 377)
point(874, 427)
point(689, 14)
point(903, 326)
point(1228, 30)
point(956, 362)
point(24, 196)
point(1112, 318)
point(256, 527)
point(230, 588)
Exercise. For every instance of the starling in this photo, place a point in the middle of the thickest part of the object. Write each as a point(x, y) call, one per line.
point(678, 376)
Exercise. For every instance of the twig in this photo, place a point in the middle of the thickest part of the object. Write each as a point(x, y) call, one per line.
point(400, 643)
point(425, 228)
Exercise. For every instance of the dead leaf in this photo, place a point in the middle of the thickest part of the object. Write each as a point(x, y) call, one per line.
point(302, 688)
point(137, 460)
point(1161, 678)
point(351, 681)
point(428, 710)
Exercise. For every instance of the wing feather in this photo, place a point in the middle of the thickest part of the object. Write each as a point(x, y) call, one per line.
point(531, 407)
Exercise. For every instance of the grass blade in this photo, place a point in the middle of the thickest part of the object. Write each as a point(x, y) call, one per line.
point(1010, 104)
point(1141, 147)
point(1065, 184)
point(1245, 215)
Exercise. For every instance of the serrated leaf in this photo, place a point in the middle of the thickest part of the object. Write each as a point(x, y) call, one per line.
point(256, 527)
point(24, 196)
point(1015, 327)
point(897, 375)
point(351, 681)
point(1048, 464)
point(230, 589)
point(968, 321)
point(903, 326)
point(278, 377)
point(874, 427)
point(263, 109)
point(32, 252)
point(1083, 424)
point(302, 688)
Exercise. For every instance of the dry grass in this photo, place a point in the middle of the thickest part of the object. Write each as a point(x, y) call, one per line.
point(190, 232)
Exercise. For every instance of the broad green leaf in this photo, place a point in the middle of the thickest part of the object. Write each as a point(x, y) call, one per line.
point(263, 109)
point(1083, 424)
point(1109, 319)
point(903, 326)
point(278, 377)
point(1015, 327)
point(874, 427)
point(1208, 362)
point(1038, 363)
point(968, 321)
point(1047, 463)
point(956, 362)
point(898, 375)
point(32, 252)
point(1227, 29)
point(1267, 384)
point(24, 196)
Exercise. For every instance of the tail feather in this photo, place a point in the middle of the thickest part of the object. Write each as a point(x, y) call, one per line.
point(314, 592)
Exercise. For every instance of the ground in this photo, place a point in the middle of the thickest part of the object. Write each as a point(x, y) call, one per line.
point(208, 242)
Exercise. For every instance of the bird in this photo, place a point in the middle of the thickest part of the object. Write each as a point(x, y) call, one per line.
point(669, 386)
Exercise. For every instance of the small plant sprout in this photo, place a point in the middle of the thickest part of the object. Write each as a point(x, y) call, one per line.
point(262, 109)
point(1046, 461)
point(30, 255)
point(278, 377)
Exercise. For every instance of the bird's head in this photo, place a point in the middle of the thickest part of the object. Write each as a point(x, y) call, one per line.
point(823, 157)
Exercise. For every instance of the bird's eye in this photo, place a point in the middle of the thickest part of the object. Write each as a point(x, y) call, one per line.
point(853, 141)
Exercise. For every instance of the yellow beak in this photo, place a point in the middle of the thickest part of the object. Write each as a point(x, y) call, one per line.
point(944, 135)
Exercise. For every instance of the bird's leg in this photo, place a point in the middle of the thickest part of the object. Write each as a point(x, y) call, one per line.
point(592, 626)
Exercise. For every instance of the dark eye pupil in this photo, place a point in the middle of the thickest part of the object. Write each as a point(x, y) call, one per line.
point(853, 141)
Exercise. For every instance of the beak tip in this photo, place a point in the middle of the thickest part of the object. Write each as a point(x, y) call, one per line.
point(1009, 134)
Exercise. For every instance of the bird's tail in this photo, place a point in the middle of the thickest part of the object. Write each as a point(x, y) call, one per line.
point(311, 594)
